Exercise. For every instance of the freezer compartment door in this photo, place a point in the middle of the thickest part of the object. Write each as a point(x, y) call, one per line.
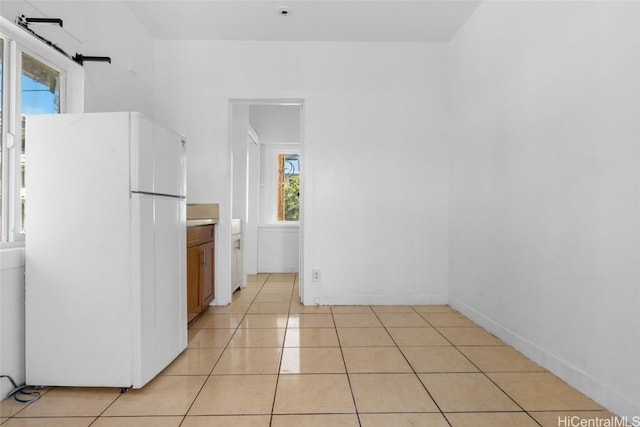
point(157, 158)
point(169, 163)
point(160, 245)
point(141, 141)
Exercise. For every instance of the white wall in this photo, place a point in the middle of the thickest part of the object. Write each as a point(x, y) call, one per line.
point(11, 317)
point(276, 123)
point(278, 249)
point(544, 208)
point(101, 29)
point(239, 137)
point(376, 159)
point(278, 242)
point(127, 84)
point(124, 85)
point(544, 168)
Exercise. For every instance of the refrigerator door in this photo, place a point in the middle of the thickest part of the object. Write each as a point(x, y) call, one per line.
point(170, 286)
point(77, 304)
point(158, 242)
point(157, 159)
point(142, 155)
point(169, 175)
point(105, 268)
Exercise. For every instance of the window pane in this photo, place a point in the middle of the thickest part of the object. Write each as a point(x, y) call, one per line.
point(40, 95)
point(288, 187)
point(1, 133)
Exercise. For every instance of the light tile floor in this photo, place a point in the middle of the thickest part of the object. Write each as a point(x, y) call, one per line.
point(266, 360)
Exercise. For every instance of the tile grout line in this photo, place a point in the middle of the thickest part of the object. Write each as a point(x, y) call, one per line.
point(108, 406)
point(42, 393)
point(479, 370)
point(244, 315)
point(411, 366)
point(245, 311)
point(353, 397)
point(275, 391)
point(217, 361)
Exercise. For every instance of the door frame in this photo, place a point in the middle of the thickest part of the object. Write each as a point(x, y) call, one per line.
point(300, 102)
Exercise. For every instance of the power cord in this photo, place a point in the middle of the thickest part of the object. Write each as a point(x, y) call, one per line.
point(20, 394)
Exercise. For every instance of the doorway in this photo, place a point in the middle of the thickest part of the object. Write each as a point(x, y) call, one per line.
point(267, 182)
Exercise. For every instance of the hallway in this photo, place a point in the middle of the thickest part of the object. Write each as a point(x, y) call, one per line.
point(265, 360)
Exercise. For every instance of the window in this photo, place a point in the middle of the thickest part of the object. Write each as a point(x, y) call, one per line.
point(288, 187)
point(32, 81)
point(1, 139)
point(39, 94)
point(280, 182)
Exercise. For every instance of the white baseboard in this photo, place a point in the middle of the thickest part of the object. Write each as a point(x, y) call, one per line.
point(603, 394)
point(384, 300)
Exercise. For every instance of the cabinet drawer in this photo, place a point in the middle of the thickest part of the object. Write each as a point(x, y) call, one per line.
point(200, 234)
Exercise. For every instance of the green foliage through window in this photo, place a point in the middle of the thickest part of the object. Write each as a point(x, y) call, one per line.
point(288, 187)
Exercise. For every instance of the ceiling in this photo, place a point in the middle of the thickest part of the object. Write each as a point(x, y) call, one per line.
point(308, 20)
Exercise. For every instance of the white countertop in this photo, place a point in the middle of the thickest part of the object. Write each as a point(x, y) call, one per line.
point(197, 222)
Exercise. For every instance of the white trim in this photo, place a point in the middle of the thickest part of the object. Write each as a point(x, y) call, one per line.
point(611, 399)
point(285, 102)
point(224, 296)
point(12, 197)
point(30, 43)
point(71, 73)
point(253, 135)
point(71, 79)
point(295, 144)
point(419, 299)
point(306, 194)
point(288, 224)
point(4, 153)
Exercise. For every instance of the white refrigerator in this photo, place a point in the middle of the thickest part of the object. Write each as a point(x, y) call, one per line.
point(105, 300)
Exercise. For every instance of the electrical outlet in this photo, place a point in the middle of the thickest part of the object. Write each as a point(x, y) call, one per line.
point(316, 275)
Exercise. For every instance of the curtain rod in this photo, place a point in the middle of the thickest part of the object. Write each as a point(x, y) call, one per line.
point(24, 22)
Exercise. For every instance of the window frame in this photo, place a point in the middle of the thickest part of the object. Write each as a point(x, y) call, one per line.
point(16, 42)
point(269, 181)
point(280, 186)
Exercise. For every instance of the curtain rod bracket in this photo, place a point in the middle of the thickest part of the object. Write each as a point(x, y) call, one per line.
point(80, 59)
point(43, 20)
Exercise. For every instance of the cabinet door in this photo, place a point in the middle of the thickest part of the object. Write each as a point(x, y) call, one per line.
point(207, 287)
point(194, 266)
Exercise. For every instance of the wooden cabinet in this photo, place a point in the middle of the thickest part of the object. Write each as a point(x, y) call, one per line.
point(200, 269)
